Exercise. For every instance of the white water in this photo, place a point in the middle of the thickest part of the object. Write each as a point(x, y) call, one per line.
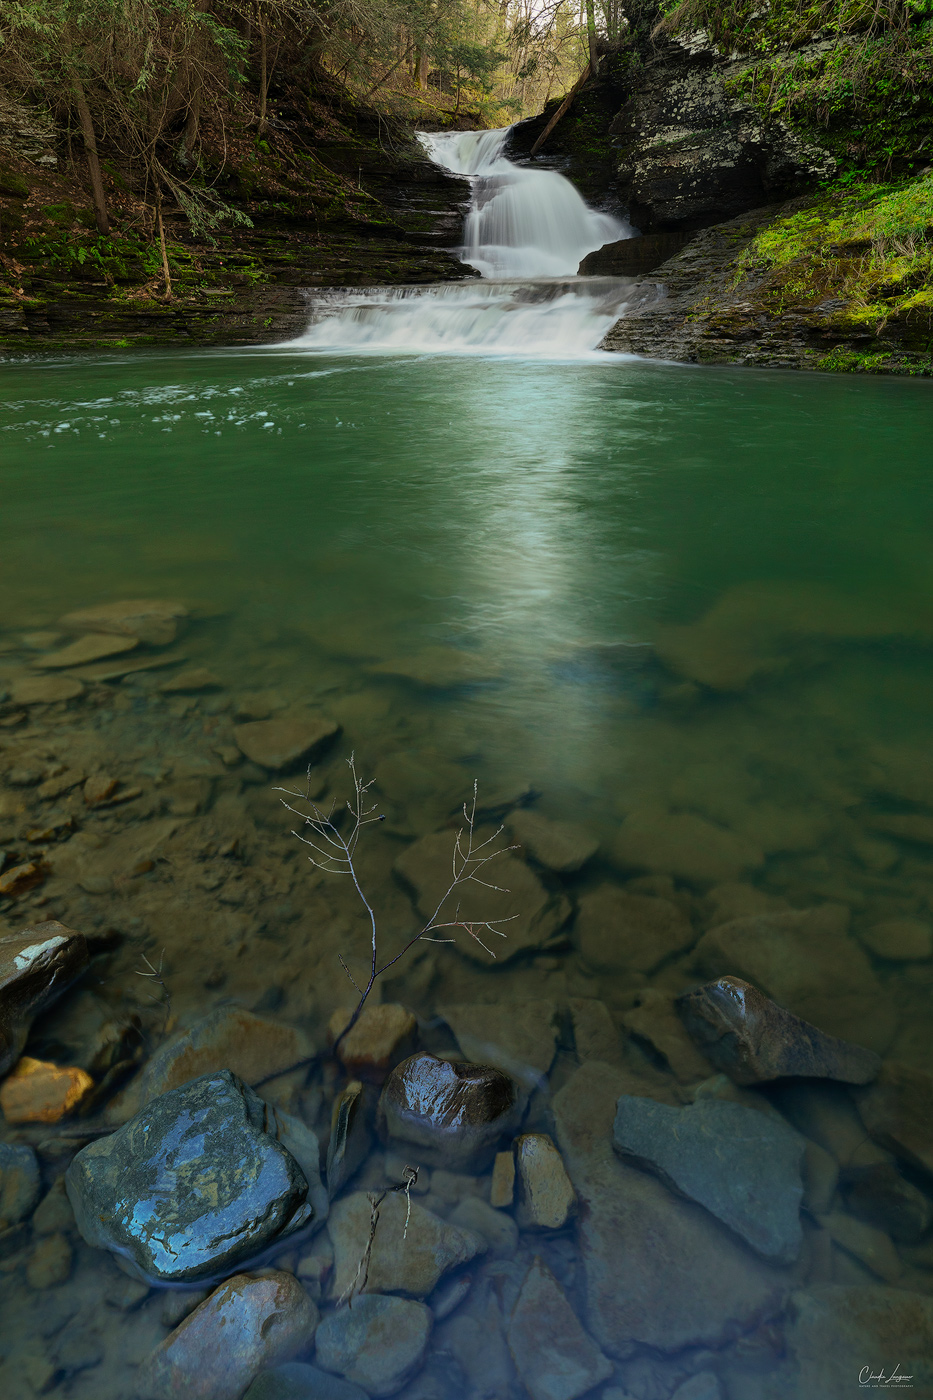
point(526, 233)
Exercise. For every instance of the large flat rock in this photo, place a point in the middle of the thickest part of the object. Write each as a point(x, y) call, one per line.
point(685, 846)
point(286, 740)
point(617, 931)
point(840, 1335)
point(517, 1037)
point(153, 620)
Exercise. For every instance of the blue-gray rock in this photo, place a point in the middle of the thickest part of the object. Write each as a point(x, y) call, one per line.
point(743, 1165)
point(298, 1381)
point(19, 1183)
point(378, 1343)
point(190, 1187)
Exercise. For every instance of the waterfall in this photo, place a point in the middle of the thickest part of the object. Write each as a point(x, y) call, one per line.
point(526, 233)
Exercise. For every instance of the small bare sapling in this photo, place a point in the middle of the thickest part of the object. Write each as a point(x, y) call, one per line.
point(335, 854)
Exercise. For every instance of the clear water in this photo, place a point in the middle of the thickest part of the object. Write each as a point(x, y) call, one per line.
point(555, 532)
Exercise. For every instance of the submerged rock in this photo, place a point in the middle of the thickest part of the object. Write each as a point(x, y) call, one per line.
point(350, 1136)
point(528, 914)
point(519, 1038)
point(38, 1092)
point(93, 647)
point(440, 667)
point(382, 1036)
point(454, 1112)
point(685, 846)
point(496, 1227)
point(617, 931)
point(559, 846)
point(378, 1344)
point(880, 1196)
point(654, 1019)
point(152, 620)
point(743, 1165)
point(19, 1183)
point(296, 1380)
point(553, 1355)
point(752, 1039)
point(44, 690)
point(252, 1047)
point(546, 1196)
point(836, 1331)
point(244, 1326)
point(502, 1188)
point(900, 940)
point(190, 1187)
point(411, 1248)
point(285, 741)
point(897, 1110)
point(36, 966)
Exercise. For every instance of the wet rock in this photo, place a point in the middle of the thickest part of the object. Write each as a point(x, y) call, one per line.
point(751, 1039)
point(497, 1228)
point(229, 1038)
point(870, 1246)
point(546, 1197)
point(19, 1183)
point(152, 620)
point(528, 914)
point(314, 1270)
point(350, 1136)
point(559, 846)
point(880, 1196)
point(36, 966)
point(654, 1020)
point(805, 961)
point(899, 940)
point(439, 667)
point(98, 788)
point(897, 1110)
point(61, 783)
point(377, 1344)
point(246, 1325)
point(190, 682)
point(703, 1386)
point(44, 690)
point(835, 1331)
point(411, 1265)
point(621, 932)
point(177, 1304)
point(193, 1185)
point(595, 1036)
point(127, 1294)
point(658, 1271)
point(295, 1380)
point(519, 1038)
point(382, 1036)
point(50, 1263)
point(38, 1092)
point(744, 1166)
point(286, 741)
point(455, 1113)
point(20, 879)
point(685, 846)
point(553, 1355)
point(502, 1189)
point(85, 650)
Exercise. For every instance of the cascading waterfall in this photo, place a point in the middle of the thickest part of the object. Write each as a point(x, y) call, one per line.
point(526, 233)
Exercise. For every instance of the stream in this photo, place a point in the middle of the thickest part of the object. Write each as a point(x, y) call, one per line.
point(677, 626)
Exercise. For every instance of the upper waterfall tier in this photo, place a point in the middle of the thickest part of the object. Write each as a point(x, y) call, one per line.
point(522, 223)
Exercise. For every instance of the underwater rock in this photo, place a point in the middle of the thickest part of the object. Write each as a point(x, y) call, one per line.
point(285, 741)
point(191, 1186)
point(546, 1196)
point(190, 682)
point(553, 1355)
point(595, 1036)
point(50, 1263)
point(897, 1110)
point(654, 1019)
point(152, 620)
point(621, 932)
point(36, 966)
point(243, 1327)
point(744, 1166)
point(411, 1249)
point(899, 940)
point(836, 1330)
point(296, 1380)
point(38, 1092)
point(880, 1196)
point(383, 1035)
point(559, 846)
point(869, 1245)
point(750, 1038)
point(350, 1136)
point(93, 647)
point(685, 846)
point(377, 1344)
point(496, 1227)
point(529, 914)
point(454, 1113)
point(658, 1271)
point(252, 1047)
point(519, 1038)
point(19, 1183)
point(805, 960)
point(440, 668)
point(44, 690)
point(502, 1188)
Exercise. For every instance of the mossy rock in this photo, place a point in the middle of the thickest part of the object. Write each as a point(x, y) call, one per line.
point(13, 184)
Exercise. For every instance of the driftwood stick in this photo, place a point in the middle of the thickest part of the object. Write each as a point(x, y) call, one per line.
point(561, 110)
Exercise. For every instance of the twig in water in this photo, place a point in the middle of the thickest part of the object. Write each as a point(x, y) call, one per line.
point(355, 1286)
point(165, 1000)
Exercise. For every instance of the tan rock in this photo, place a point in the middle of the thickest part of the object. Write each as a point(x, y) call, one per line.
point(546, 1197)
point(517, 1037)
point(502, 1189)
point(153, 620)
point(835, 1331)
point(685, 846)
point(93, 647)
point(382, 1036)
point(654, 1019)
point(595, 1035)
point(44, 690)
point(98, 788)
point(20, 879)
point(527, 913)
point(61, 783)
point(285, 741)
point(560, 846)
point(50, 1263)
point(621, 932)
point(553, 1355)
point(189, 682)
point(411, 1266)
point(36, 965)
point(130, 664)
point(38, 1092)
point(869, 1246)
point(899, 940)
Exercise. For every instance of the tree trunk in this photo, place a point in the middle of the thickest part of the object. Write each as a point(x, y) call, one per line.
point(591, 33)
point(162, 245)
point(263, 78)
point(93, 163)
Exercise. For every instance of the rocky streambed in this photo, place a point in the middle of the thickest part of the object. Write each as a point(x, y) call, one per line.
point(674, 1141)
